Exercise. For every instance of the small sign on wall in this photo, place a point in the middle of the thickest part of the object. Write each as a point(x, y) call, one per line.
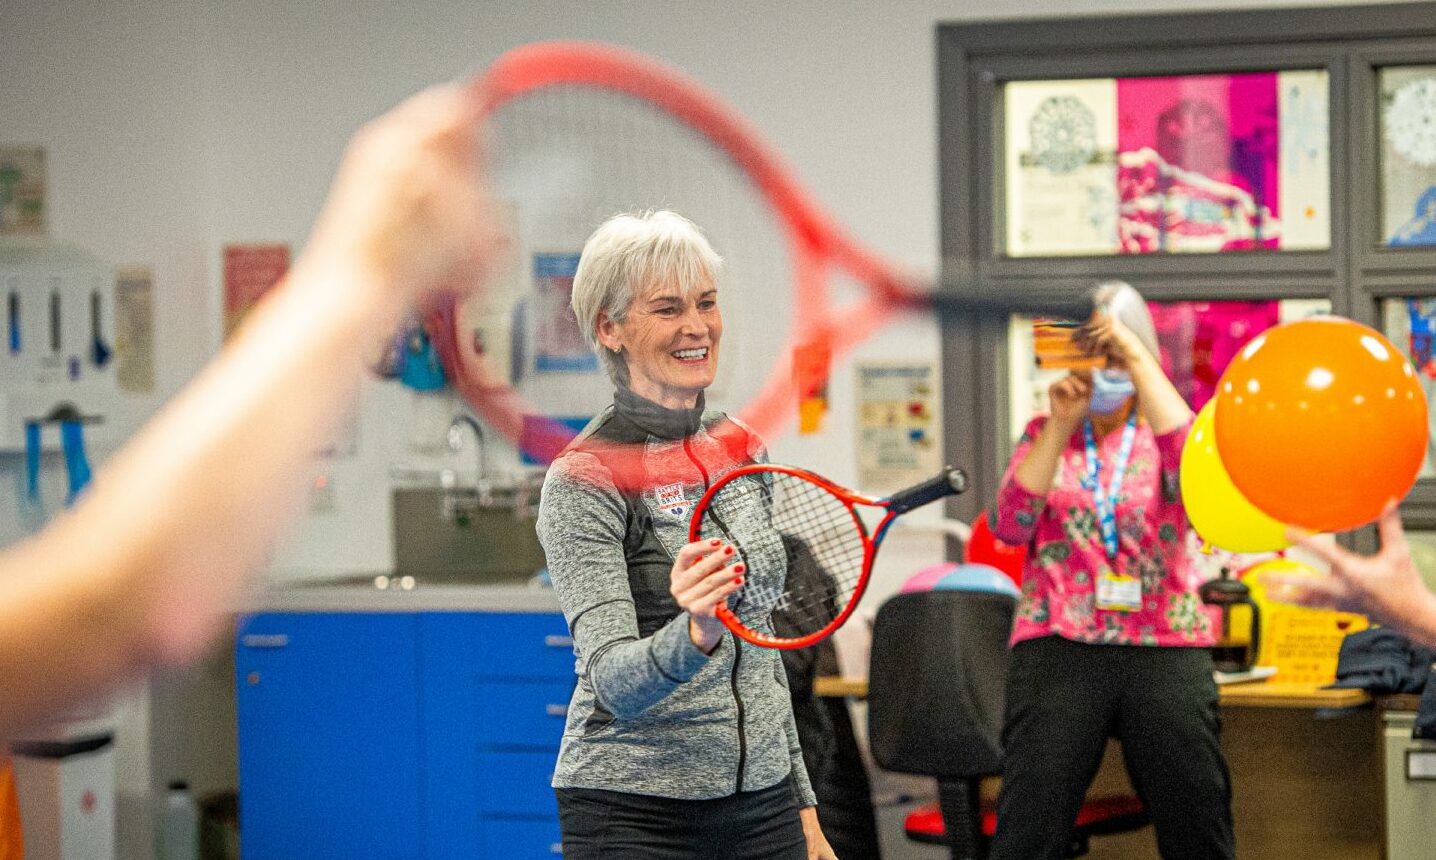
point(899, 424)
point(559, 345)
point(250, 271)
point(22, 191)
point(134, 330)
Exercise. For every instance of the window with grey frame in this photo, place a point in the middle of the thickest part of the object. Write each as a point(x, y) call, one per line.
point(1315, 130)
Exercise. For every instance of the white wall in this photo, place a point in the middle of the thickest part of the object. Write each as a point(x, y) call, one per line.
point(176, 126)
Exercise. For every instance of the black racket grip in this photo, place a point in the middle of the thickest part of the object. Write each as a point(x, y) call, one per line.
point(949, 483)
point(967, 298)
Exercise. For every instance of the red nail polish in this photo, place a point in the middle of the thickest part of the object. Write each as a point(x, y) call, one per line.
point(728, 550)
point(737, 568)
point(737, 580)
point(714, 542)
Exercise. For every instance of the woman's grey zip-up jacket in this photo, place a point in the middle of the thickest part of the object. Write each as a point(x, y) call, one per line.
point(652, 714)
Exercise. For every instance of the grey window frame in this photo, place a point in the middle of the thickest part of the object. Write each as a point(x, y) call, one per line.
point(1355, 272)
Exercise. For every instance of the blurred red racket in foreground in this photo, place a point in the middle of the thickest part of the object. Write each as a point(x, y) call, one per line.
point(579, 132)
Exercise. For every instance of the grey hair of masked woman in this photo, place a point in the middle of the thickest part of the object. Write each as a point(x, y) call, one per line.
point(1122, 301)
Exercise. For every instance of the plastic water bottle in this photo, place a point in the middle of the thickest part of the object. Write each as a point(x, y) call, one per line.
point(179, 824)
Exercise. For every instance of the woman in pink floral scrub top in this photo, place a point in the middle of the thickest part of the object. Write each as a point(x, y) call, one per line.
point(1110, 637)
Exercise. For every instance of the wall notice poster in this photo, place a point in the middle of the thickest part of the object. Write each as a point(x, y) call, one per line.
point(22, 191)
point(134, 330)
point(1061, 167)
point(250, 271)
point(558, 345)
point(1199, 339)
point(1193, 163)
point(899, 424)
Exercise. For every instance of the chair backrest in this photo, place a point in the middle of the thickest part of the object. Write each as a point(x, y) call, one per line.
point(937, 682)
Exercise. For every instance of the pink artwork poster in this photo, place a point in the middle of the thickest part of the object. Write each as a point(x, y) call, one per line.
point(1198, 163)
point(1199, 339)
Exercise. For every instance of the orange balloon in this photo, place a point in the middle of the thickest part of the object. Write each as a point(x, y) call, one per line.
point(1321, 423)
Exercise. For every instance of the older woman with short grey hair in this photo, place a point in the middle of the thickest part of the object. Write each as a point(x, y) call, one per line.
point(680, 741)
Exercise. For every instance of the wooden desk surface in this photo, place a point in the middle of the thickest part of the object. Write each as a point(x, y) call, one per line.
point(835, 687)
point(1253, 694)
point(1302, 788)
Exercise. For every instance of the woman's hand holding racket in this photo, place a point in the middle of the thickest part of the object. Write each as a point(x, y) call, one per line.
point(702, 579)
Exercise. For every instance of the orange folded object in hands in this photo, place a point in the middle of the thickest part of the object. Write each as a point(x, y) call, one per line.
point(1053, 345)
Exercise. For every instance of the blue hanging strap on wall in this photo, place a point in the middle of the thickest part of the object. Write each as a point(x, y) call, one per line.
point(77, 467)
point(72, 445)
point(421, 370)
point(32, 461)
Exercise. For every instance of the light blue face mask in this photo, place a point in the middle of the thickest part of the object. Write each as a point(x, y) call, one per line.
point(1110, 390)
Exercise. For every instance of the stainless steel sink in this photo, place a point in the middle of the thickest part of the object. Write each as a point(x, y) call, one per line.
point(490, 544)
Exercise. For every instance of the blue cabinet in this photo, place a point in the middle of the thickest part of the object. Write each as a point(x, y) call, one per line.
point(329, 736)
point(495, 692)
point(401, 735)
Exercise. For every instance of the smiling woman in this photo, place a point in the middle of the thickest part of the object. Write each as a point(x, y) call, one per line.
point(677, 741)
point(663, 342)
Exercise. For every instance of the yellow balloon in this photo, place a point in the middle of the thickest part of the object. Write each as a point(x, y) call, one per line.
point(1252, 575)
point(1215, 507)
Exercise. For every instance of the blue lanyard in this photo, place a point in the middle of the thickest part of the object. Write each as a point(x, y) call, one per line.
point(1107, 501)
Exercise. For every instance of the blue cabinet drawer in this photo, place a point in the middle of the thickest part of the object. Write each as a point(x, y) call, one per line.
point(517, 784)
point(512, 645)
point(521, 840)
point(525, 646)
point(519, 713)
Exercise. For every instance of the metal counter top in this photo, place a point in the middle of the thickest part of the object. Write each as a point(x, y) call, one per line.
point(387, 592)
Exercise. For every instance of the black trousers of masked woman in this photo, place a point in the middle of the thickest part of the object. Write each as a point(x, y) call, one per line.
point(1064, 699)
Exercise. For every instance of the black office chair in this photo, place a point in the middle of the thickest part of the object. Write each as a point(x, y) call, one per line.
point(935, 696)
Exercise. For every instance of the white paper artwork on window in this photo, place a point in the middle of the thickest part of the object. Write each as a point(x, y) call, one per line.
point(1061, 167)
point(1167, 164)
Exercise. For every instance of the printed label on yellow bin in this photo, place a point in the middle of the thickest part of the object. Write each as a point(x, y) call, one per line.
point(1118, 593)
point(1302, 643)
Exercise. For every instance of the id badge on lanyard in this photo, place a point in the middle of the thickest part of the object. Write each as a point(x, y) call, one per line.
point(1115, 592)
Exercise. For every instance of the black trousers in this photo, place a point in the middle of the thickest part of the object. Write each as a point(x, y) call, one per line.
point(1064, 699)
point(614, 825)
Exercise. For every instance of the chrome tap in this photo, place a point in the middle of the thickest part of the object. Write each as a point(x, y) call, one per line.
point(459, 504)
point(456, 443)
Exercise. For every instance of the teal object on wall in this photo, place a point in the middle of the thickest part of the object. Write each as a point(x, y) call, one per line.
point(421, 369)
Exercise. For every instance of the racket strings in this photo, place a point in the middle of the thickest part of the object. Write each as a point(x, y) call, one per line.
point(820, 553)
point(825, 549)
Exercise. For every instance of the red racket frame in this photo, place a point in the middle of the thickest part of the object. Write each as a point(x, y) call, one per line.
point(870, 550)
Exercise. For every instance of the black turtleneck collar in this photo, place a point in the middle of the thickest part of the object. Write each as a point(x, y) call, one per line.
point(658, 420)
